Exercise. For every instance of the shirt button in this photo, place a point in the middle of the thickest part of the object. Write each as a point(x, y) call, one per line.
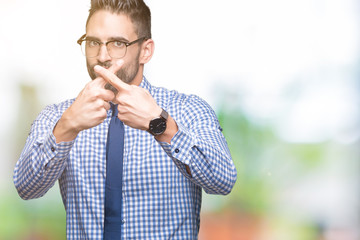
point(52, 149)
point(177, 150)
point(122, 221)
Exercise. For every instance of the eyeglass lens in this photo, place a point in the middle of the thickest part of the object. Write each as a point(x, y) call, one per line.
point(115, 49)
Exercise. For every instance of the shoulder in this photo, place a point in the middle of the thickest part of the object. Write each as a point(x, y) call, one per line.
point(48, 117)
point(186, 108)
point(180, 105)
point(53, 112)
point(173, 97)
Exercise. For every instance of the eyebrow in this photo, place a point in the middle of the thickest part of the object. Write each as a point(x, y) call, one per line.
point(121, 39)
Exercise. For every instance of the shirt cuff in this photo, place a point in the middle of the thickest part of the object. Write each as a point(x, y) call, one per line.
point(181, 145)
point(55, 152)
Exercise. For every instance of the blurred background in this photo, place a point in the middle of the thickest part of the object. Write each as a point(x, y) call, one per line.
point(282, 75)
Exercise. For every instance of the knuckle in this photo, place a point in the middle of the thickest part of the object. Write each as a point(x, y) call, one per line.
point(106, 105)
point(121, 110)
point(100, 103)
point(121, 99)
point(102, 115)
point(87, 87)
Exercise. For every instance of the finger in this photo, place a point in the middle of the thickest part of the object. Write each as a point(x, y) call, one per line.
point(116, 66)
point(99, 82)
point(101, 85)
point(107, 105)
point(104, 94)
point(111, 78)
point(113, 68)
point(107, 95)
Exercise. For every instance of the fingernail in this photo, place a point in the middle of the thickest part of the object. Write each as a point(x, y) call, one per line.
point(97, 68)
point(119, 62)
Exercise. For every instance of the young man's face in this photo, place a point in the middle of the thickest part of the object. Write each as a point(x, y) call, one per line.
point(106, 26)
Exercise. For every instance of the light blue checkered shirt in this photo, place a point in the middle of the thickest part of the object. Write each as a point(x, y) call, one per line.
point(160, 199)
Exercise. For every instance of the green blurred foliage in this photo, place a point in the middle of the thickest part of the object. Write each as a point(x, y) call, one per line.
point(245, 141)
point(264, 162)
point(39, 219)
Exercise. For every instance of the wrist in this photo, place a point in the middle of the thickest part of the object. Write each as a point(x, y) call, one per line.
point(169, 133)
point(157, 125)
point(64, 130)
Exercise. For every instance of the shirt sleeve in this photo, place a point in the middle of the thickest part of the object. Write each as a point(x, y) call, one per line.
point(43, 160)
point(200, 144)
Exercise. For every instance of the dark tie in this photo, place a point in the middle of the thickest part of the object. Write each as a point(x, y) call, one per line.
point(113, 183)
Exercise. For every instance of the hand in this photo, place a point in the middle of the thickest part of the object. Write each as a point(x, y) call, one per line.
point(88, 110)
point(135, 105)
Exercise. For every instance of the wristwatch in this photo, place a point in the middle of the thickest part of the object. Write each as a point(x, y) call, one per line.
point(157, 126)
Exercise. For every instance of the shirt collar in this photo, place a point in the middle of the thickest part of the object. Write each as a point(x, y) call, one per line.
point(146, 85)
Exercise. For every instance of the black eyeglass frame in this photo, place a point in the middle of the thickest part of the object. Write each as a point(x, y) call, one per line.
point(83, 38)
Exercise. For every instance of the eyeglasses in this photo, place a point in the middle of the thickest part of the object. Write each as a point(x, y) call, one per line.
point(116, 48)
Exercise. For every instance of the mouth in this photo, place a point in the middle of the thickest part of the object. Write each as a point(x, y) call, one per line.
point(93, 73)
point(106, 65)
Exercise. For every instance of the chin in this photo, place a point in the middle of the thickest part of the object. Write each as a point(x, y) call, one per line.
point(110, 87)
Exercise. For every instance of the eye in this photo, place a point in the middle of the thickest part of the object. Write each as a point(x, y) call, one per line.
point(118, 44)
point(92, 43)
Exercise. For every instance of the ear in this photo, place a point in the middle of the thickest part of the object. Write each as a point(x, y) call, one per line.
point(147, 51)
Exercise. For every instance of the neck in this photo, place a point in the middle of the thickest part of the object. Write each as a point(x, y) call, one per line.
point(139, 76)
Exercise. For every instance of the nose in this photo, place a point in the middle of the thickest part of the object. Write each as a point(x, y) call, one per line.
point(103, 54)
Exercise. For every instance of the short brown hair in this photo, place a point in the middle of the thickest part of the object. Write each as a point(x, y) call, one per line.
point(136, 10)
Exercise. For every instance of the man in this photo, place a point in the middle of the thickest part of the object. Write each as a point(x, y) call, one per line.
point(173, 146)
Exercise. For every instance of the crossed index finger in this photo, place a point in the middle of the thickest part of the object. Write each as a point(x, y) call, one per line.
point(109, 76)
point(116, 66)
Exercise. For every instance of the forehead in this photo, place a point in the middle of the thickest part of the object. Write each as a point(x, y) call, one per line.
point(104, 24)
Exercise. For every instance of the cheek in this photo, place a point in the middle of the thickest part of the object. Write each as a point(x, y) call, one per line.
point(130, 64)
point(132, 55)
point(90, 69)
point(91, 62)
